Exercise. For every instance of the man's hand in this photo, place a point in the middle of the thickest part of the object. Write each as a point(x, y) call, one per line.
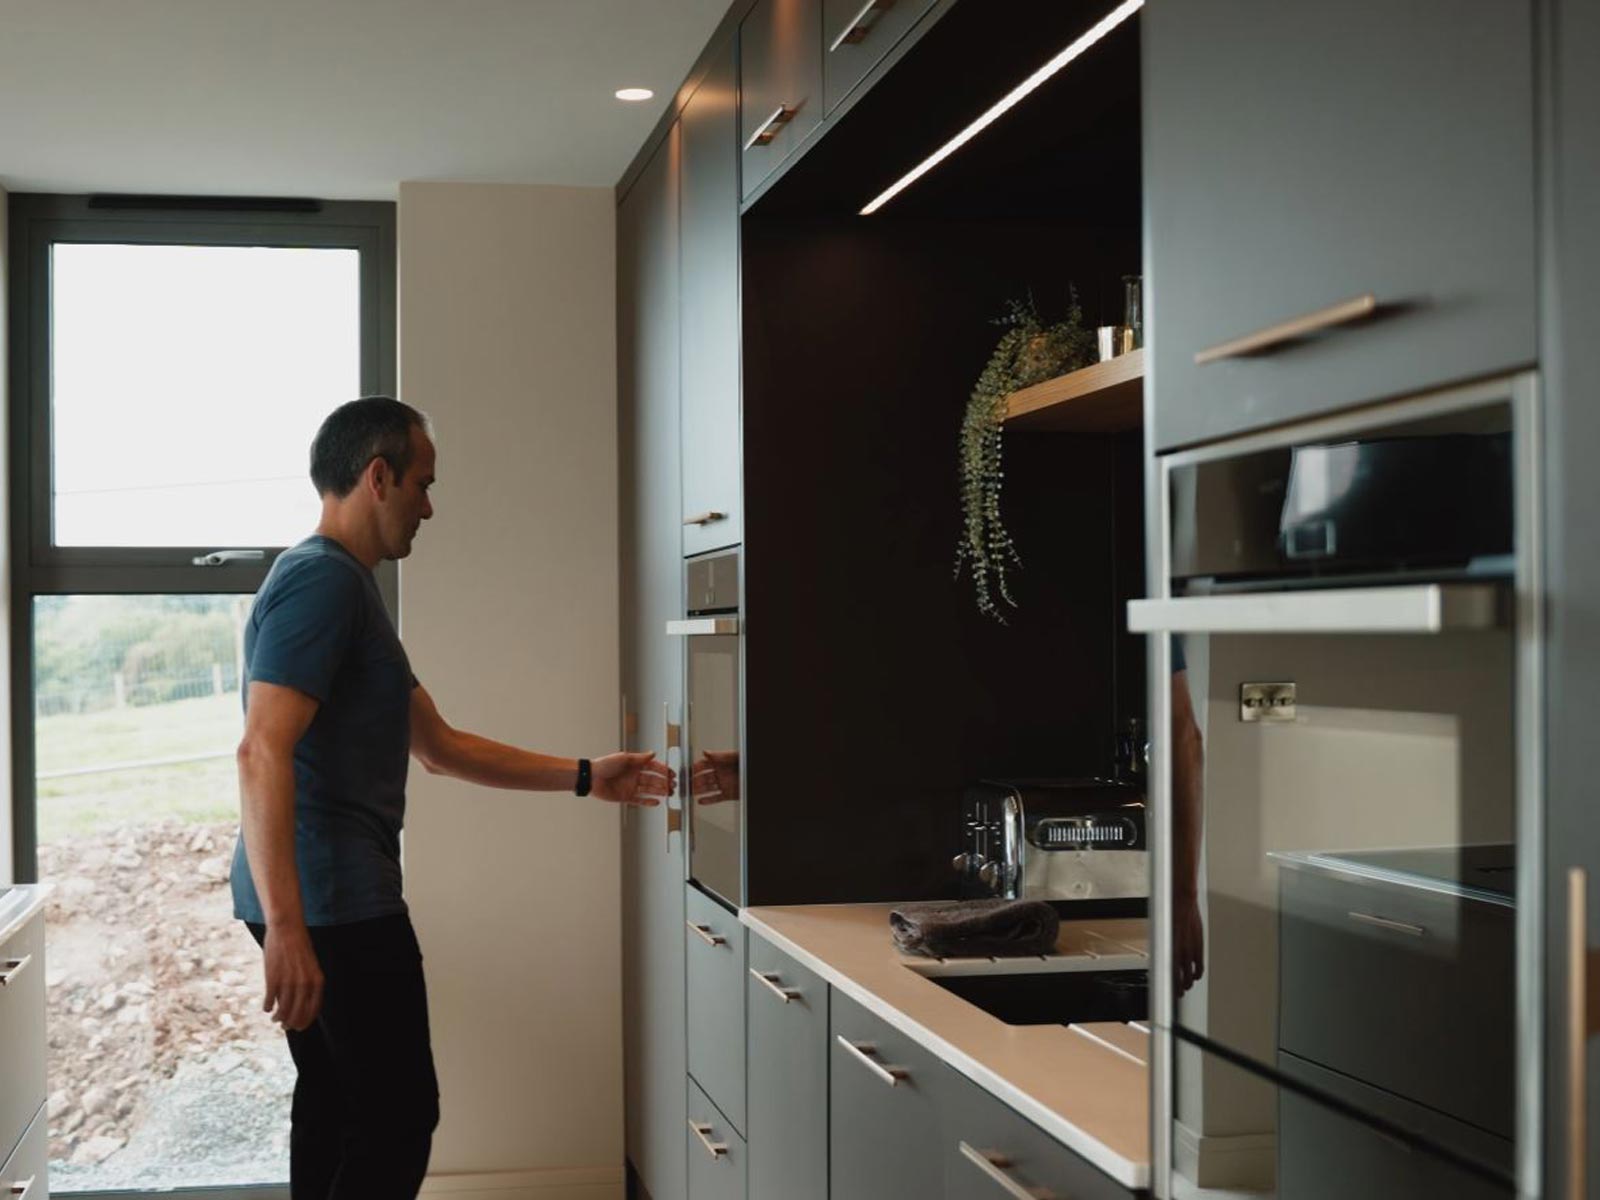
point(294, 977)
point(1188, 942)
point(714, 778)
point(631, 779)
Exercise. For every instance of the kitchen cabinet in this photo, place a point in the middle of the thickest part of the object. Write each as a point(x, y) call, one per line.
point(885, 1095)
point(787, 1056)
point(1337, 931)
point(23, 1174)
point(709, 307)
point(992, 1151)
point(856, 34)
point(717, 1155)
point(1570, 379)
point(780, 84)
point(716, 969)
point(22, 1034)
point(1366, 166)
point(651, 593)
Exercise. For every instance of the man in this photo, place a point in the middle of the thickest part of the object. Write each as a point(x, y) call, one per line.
point(332, 711)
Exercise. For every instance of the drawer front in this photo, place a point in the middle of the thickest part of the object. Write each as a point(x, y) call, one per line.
point(986, 1144)
point(716, 1036)
point(856, 34)
point(1299, 155)
point(788, 1077)
point(23, 1177)
point(780, 67)
point(716, 1152)
point(1410, 991)
point(1325, 1156)
point(22, 1034)
point(880, 1133)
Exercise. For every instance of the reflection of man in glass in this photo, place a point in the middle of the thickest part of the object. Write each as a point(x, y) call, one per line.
point(714, 778)
point(1188, 766)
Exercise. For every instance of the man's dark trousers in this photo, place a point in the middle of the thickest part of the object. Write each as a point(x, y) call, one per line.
point(366, 1100)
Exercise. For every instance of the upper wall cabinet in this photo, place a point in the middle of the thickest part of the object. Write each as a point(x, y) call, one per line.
point(780, 56)
point(856, 35)
point(709, 231)
point(1340, 204)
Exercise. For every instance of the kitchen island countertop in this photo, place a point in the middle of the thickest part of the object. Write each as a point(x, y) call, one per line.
point(17, 906)
point(1085, 1085)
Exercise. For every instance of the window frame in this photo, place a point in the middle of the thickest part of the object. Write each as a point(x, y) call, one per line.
point(38, 568)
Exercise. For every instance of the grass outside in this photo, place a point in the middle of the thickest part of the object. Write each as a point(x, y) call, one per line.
point(192, 792)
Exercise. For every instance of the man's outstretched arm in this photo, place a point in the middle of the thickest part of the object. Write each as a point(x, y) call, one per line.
point(445, 750)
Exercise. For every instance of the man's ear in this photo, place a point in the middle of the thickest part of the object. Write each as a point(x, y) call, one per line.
point(376, 477)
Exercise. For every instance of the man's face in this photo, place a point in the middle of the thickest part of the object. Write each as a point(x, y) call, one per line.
point(407, 504)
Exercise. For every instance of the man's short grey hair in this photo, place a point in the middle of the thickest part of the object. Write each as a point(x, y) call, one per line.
point(356, 433)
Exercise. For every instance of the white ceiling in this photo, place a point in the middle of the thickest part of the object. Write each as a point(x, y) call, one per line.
point(335, 99)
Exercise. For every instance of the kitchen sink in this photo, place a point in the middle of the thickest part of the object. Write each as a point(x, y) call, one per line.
point(1055, 997)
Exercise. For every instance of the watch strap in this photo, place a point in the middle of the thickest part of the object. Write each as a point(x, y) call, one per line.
point(585, 777)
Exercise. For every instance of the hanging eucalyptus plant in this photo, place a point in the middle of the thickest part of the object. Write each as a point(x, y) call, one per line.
point(1029, 352)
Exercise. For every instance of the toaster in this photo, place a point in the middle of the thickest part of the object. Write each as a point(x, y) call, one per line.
point(1079, 840)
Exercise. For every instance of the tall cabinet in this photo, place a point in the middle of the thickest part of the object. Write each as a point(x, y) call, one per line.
point(652, 685)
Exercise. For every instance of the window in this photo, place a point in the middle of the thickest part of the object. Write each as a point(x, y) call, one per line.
point(172, 363)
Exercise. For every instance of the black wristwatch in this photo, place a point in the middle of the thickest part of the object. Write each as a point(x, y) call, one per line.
point(585, 772)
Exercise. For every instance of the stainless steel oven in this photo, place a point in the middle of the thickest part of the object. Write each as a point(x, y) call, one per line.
point(712, 775)
point(1345, 804)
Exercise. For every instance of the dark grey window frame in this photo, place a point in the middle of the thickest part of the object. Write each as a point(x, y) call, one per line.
point(40, 569)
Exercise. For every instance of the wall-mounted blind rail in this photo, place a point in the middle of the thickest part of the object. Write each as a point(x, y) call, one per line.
point(1422, 608)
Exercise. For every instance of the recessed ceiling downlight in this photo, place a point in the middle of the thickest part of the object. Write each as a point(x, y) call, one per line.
point(634, 95)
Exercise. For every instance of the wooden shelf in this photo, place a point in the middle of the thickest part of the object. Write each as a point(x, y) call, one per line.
point(1105, 398)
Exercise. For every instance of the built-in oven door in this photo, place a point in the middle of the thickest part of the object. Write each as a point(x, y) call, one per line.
point(1345, 803)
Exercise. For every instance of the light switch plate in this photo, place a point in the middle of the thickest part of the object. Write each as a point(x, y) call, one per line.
point(1266, 702)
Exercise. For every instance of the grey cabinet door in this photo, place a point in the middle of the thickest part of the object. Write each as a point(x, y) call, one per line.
point(717, 1156)
point(22, 1032)
point(787, 1075)
point(780, 72)
point(884, 1102)
point(709, 229)
point(716, 961)
point(24, 1175)
point(856, 34)
point(986, 1144)
point(1301, 155)
point(651, 594)
point(1570, 354)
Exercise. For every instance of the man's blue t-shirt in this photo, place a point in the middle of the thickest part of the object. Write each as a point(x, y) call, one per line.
point(319, 626)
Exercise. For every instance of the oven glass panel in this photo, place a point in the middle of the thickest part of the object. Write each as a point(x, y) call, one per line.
point(715, 794)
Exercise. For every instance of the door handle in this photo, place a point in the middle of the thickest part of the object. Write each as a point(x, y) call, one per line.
point(21, 1190)
point(780, 117)
point(1274, 337)
point(703, 627)
point(862, 1052)
point(706, 934)
point(769, 980)
point(705, 518)
point(702, 1130)
point(995, 1166)
point(12, 968)
point(670, 734)
point(858, 28)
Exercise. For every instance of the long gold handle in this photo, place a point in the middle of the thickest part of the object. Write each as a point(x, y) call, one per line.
point(994, 1165)
point(13, 968)
point(22, 1190)
point(670, 736)
point(780, 117)
point(769, 980)
point(702, 1130)
point(1577, 1033)
point(706, 935)
point(858, 28)
point(705, 518)
point(1273, 336)
point(862, 1052)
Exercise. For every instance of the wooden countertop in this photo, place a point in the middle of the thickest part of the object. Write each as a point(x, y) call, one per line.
point(1086, 1085)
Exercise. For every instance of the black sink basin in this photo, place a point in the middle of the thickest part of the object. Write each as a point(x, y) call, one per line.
point(1055, 997)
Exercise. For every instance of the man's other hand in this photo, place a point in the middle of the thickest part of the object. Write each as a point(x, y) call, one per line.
point(294, 977)
point(1188, 943)
point(636, 778)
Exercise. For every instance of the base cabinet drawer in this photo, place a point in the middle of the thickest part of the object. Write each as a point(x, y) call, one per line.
point(885, 1095)
point(23, 1177)
point(991, 1152)
point(22, 1033)
point(717, 1155)
point(787, 1104)
point(716, 993)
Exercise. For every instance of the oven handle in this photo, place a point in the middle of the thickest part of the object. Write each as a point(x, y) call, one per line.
point(1418, 608)
point(703, 627)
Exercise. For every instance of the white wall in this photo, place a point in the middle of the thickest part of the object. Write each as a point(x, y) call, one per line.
point(5, 568)
point(509, 614)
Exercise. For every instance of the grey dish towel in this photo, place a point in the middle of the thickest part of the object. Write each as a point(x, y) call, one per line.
point(975, 928)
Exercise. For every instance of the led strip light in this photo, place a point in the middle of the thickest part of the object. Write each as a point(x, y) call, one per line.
point(1104, 26)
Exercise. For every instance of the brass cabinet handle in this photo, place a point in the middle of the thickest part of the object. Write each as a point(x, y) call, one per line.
point(994, 1166)
point(13, 968)
point(703, 627)
point(1274, 336)
point(22, 1190)
point(670, 736)
point(702, 1130)
point(862, 1052)
point(1578, 1028)
point(705, 518)
point(706, 934)
point(858, 28)
point(1386, 923)
point(769, 980)
point(780, 117)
